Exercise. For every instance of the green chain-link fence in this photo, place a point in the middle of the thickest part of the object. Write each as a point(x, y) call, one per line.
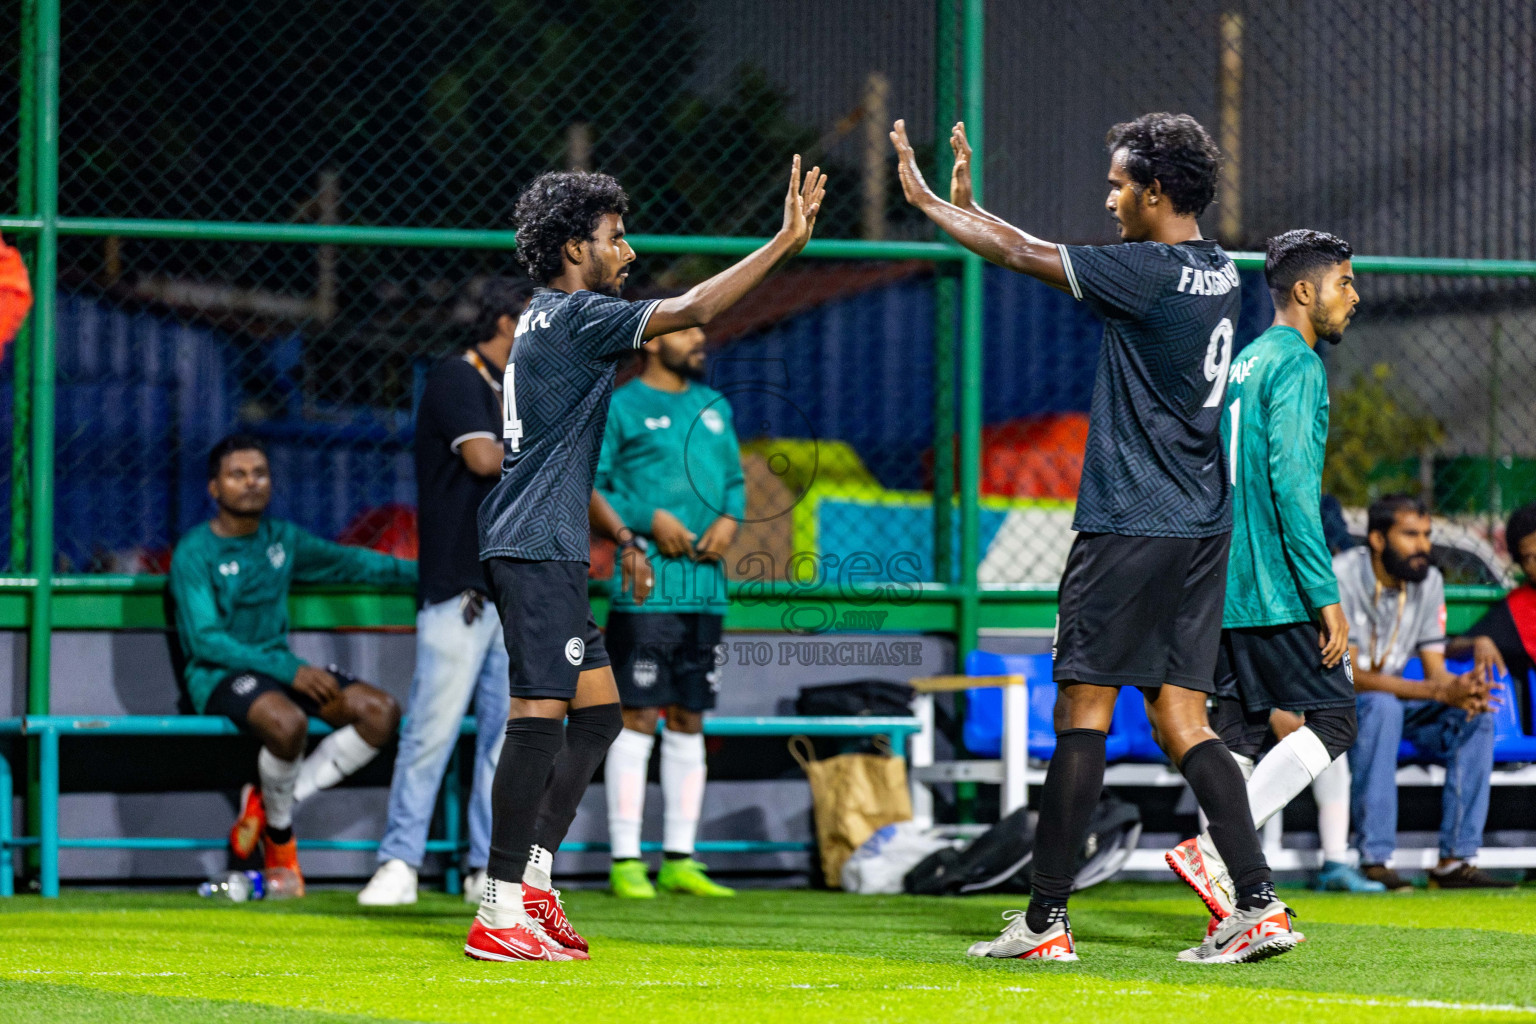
point(276, 216)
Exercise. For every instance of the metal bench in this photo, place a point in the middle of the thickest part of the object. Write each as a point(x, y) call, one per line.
point(50, 728)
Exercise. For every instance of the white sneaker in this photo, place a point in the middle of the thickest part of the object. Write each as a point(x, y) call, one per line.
point(393, 885)
point(474, 885)
point(1247, 936)
point(1019, 943)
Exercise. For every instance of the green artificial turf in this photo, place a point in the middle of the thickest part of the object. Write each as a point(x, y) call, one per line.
point(762, 957)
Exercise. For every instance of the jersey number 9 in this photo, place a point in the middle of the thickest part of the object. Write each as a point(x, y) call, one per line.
point(1218, 356)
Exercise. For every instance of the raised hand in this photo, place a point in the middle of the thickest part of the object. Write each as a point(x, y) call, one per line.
point(801, 204)
point(912, 184)
point(961, 192)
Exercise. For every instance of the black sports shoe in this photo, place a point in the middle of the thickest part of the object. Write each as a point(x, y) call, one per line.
point(1387, 877)
point(1466, 875)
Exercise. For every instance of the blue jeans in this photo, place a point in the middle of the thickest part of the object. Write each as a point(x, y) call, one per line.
point(1464, 745)
point(454, 662)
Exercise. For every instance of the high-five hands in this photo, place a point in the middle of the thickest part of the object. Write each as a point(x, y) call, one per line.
point(801, 205)
point(961, 192)
point(912, 184)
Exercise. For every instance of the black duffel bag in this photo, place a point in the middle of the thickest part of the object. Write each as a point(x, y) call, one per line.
point(859, 697)
point(1001, 858)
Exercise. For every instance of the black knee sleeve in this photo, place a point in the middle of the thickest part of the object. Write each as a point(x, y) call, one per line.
point(1336, 727)
point(598, 725)
point(1244, 732)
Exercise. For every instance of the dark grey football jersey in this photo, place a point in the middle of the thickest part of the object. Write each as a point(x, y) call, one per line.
point(1154, 466)
point(555, 404)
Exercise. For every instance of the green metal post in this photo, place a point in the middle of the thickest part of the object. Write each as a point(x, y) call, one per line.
point(45, 301)
point(973, 79)
point(943, 307)
point(26, 205)
point(48, 823)
point(7, 860)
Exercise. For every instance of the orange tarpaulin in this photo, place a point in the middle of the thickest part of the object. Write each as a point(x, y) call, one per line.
point(15, 294)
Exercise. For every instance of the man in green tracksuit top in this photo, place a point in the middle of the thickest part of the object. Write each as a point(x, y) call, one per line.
point(229, 581)
point(671, 468)
point(1284, 640)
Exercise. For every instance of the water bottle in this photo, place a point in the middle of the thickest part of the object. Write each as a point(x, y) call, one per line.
point(282, 884)
point(235, 886)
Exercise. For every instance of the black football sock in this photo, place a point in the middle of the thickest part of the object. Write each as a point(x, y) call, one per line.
point(522, 773)
point(1252, 897)
point(671, 855)
point(1072, 786)
point(1218, 786)
point(589, 732)
point(279, 835)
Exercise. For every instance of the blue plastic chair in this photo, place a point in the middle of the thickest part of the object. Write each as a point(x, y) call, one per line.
point(983, 727)
point(1510, 742)
point(1132, 726)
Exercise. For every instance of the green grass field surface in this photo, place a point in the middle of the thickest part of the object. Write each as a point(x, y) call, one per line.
point(761, 957)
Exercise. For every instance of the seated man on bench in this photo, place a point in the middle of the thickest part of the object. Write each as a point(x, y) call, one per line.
point(229, 580)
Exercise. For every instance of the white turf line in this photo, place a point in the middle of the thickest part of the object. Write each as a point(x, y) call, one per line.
point(1411, 1004)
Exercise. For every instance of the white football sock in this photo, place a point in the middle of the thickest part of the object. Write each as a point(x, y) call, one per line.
point(1331, 791)
point(1288, 768)
point(501, 904)
point(624, 787)
point(277, 782)
point(338, 755)
point(683, 772)
point(540, 863)
point(1284, 772)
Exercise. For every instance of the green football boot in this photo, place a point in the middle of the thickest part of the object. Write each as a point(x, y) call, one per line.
point(687, 876)
point(627, 879)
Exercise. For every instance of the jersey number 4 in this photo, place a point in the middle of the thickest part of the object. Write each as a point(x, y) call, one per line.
point(511, 426)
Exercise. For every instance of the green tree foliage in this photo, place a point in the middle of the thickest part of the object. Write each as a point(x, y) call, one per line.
point(1373, 440)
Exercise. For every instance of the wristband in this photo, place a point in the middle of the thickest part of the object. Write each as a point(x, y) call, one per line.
point(634, 541)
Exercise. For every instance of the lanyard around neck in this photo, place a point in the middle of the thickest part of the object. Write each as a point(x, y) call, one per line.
point(482, 366)
point(1372, 662)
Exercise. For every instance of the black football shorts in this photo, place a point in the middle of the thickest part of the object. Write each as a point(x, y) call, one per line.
point(547, 622)
point(237, 691)
point(665, 658)
point(1281, 667)
point(1141, 611)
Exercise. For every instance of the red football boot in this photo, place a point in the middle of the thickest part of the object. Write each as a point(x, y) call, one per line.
point(284, 857)
point(545, 908)
point(519, 942)
point(246, 831)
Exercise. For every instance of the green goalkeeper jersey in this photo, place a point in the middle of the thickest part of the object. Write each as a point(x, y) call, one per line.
point(1274, 433)
point(675, 450)
point(231, 596)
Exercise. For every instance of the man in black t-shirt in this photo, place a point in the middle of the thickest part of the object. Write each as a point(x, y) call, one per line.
point(1141, 599)
point(459, 650)
point(535, 526)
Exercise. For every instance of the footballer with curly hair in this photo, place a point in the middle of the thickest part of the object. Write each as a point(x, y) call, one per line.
point(534, 526)
point(1140, 602)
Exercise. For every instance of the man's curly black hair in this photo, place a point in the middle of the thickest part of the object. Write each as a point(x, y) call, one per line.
point(1174, 150)
point(557, 207)
point(1522, 523)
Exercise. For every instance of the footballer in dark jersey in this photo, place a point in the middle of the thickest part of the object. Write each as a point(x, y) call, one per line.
point(534, 526)
point(1141, 599)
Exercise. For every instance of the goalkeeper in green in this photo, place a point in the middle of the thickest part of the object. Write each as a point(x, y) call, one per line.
point(1284, 638)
